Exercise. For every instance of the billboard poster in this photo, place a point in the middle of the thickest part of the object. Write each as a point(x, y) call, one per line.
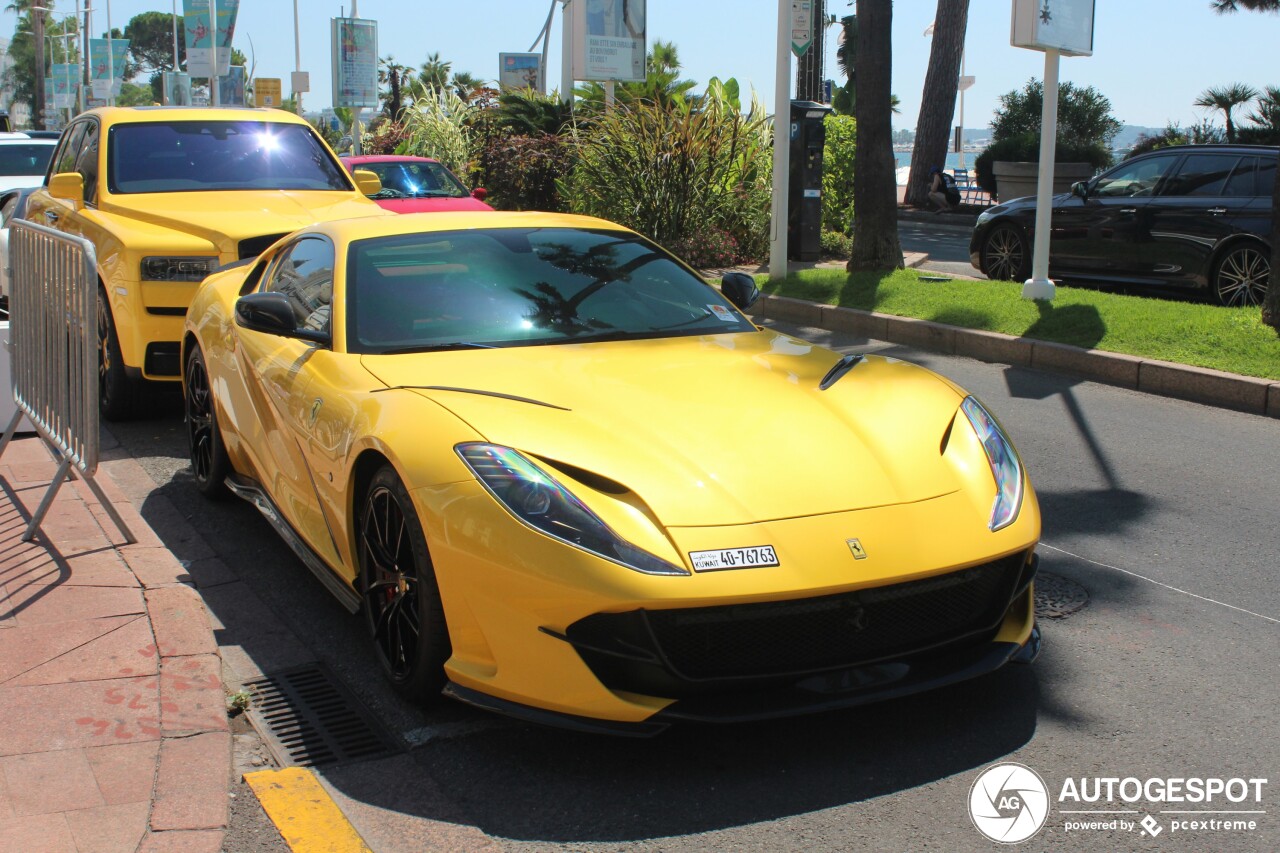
point(202, 29)
point(609, 40)
point(231, 87)
point(65, 78)
point(106, 79)
point(177, 88)
point(355, 62)
point(1062, 25)
point(521, 71)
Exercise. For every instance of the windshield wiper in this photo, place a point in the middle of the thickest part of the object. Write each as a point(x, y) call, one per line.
point(455, 345)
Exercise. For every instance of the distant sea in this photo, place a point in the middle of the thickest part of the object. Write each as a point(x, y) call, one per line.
point(903, 159)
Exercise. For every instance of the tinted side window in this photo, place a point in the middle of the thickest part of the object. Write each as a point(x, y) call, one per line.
point(304, 273)
point(1138, 178)
point(1240, 184)
point(87, 161)
point(1202, 175)
point(1265, 182)
point(64, 160)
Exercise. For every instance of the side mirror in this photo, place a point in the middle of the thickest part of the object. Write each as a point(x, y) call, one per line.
point(68, 186)
point(272, 313)
point(367, 182)
point(740, 289)
point(479, 193)
point(1080, 188)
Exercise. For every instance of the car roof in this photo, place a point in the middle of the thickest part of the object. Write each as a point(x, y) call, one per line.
point(132, 115)
point(1216, 147)
point(350, 230)
point(23, 139)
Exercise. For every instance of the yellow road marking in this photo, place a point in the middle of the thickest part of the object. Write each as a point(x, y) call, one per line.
point(303, 811)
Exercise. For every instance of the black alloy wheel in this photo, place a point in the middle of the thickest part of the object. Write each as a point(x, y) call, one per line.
point(1004, 254)
point(209, 462)
point(1240, 277)
point(398, 592)
point(120, 398)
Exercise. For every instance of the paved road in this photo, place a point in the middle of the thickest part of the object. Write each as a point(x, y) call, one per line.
point(947, 246)
point(1163, 510)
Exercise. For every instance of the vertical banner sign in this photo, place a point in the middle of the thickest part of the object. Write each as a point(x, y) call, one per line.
point(177, 88)
point(232, 85)
point(801, 26)
point(609, 40)
point(355, 62)
point(65, 78)
point(266, 91)
point(1062, 25)
point(107, 80)
point(201, 32)
point(521, 71)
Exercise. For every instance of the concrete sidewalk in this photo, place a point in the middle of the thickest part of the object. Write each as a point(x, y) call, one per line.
point(115, 735)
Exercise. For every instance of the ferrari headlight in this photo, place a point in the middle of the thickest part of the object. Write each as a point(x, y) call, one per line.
point(537, 500)
point(177, 268)
point(1006, 467)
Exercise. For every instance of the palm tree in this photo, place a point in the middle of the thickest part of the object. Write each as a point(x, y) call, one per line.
point(434, 73)
point(34, 25)
point(394, 76)
point(937, 104)
point(1227, 98)
point(1267, 113)
point(467, 85)
point(527, 112)
point(1271, 307)
point(875, 190)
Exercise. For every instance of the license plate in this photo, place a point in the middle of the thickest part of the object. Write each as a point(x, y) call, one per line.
point(754, 557)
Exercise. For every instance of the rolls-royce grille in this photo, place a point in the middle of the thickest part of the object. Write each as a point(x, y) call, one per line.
point(772, 639)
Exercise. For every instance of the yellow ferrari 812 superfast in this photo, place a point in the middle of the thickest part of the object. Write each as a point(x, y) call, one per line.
point(566, 479)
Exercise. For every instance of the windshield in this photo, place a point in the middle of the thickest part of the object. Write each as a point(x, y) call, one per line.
point(194, 156)
point(415, 180)
point(521, 287)
point(25, 159)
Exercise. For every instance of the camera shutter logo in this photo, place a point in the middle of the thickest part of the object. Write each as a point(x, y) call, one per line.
point(1009, 803)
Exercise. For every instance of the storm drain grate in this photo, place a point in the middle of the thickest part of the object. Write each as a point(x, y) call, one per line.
point(307, 718)
point(1057, 597)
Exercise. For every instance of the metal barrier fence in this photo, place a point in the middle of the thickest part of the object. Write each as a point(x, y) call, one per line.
point(53, 332)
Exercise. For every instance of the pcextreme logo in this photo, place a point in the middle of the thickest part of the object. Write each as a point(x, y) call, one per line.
point(1009, 803)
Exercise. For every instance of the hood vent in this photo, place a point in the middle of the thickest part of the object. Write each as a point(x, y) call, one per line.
point(255, 246)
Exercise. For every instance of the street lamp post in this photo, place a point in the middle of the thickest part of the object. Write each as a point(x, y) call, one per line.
point(37, 32)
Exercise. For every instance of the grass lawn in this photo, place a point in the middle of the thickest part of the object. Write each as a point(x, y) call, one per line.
point(1230, 339)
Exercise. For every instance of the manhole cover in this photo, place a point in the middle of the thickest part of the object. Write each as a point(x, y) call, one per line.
point(307, 718)
point(1057, 597)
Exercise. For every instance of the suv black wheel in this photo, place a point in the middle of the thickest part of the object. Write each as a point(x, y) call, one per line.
point(398, 592)
point(1005, 255)
point(1240, 277)
point(120, 398)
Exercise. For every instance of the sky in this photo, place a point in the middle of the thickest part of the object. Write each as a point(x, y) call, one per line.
point(1152, 58)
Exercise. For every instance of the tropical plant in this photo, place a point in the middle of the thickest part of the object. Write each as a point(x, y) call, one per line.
point(662, 83)
point(1086, 129)
point(466, 86)
point(1271, 307)
point(524, 172)
point(434, 73)
point(1227, 99)
point(395, 77)
point(875, 190)
point(938, 101)
point(439, 126)
point(669, 171)
point(527, 111)
point(1201, 133)
point(838, 157)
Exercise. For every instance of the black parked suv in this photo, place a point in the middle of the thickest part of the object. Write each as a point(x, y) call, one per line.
point(1187, 216)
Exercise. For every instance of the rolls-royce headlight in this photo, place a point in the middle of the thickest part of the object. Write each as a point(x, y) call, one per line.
point(177, 268)
point(535, 498)
point(1006, 467)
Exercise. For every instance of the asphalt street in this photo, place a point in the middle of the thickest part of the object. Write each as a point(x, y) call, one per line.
point(1163, 511)
point(946, 245)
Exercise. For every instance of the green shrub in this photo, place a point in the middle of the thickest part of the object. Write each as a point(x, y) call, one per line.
point(522, 172)
point(836, 245)
point(673, 170)
point(837, 173)
point(707, 249)
point(1086, 129)
point(438, 125)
